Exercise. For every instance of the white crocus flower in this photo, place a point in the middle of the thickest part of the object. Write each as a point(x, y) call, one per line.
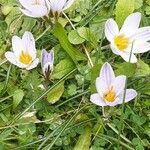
point(130, 39)
point(35, 8)
point(24, 52)
point(57, 6)
point(110, 88)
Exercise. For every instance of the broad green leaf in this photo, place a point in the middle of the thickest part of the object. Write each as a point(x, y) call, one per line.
point(6, 9)
point(147, 10)
point(60, 33)
point(97, 26)
point(28, 24)
point(17, 97)
point(148, 2)
point(72, 89)
point(54, 95)
point(14, 20)
point(62, 68)
point(138, 4)
point(123, 9)
point(77, 19)
point(84, 140)
point(62, 21)
point(75, 38)
point(87, 34)
point(143, 69)
point(126, 69)
point(9, 2)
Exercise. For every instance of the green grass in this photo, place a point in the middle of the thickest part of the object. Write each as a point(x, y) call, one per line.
point(72, 121)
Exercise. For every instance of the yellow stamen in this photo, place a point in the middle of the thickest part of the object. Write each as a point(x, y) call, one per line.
point(25, 58)
point(121, 42)
point(110, 95)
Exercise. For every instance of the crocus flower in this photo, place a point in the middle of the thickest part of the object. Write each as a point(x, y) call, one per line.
point(57, 6)
point(47, 62)
point(130, 39)
point(35, 8)
point(24, 52)
point(111, 89)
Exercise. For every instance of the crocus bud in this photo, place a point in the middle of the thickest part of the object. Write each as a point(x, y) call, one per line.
point(47, 62)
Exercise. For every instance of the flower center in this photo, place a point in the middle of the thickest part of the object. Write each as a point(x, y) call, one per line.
point(25, 58)
point(110, 95)
point(121, 42)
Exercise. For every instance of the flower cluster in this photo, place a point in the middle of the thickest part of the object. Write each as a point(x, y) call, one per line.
point(126, 42)
point(24, 54)
point(41, 8)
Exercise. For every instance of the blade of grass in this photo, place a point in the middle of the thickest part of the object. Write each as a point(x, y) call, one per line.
point(43, 33)
point(6, 81)
point(76, 96)
point(116, 140)
point(123, 104)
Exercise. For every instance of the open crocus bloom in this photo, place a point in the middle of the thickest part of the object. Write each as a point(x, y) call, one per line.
point(57, 6)
point(35, 8)
point(47, 62)
point(110, 88)
point(130, 39)
point(24, 52)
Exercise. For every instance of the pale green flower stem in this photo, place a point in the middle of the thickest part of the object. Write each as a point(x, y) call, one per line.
point(123, 104)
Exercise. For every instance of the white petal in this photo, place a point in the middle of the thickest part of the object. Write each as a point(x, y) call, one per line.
point(29, 44)
point(27, 13)
point(114, 49)
point(141, 47)
point(68, 4)
point(107, 74)
point(43, 54)
point(48, 4)
point(11, 57)
point(131, 24)
point(17, 45)
point(130, 94)
point(25, 3)
point(33, 64)
point(36, 11)
point(142, 34)
point(29, 3)
point(57, 5)
point(119, 84)
point(28, 39)
point(96, 99)
point(126, 56)
point(111, 29)
point(101, 86)
point(39, 11)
